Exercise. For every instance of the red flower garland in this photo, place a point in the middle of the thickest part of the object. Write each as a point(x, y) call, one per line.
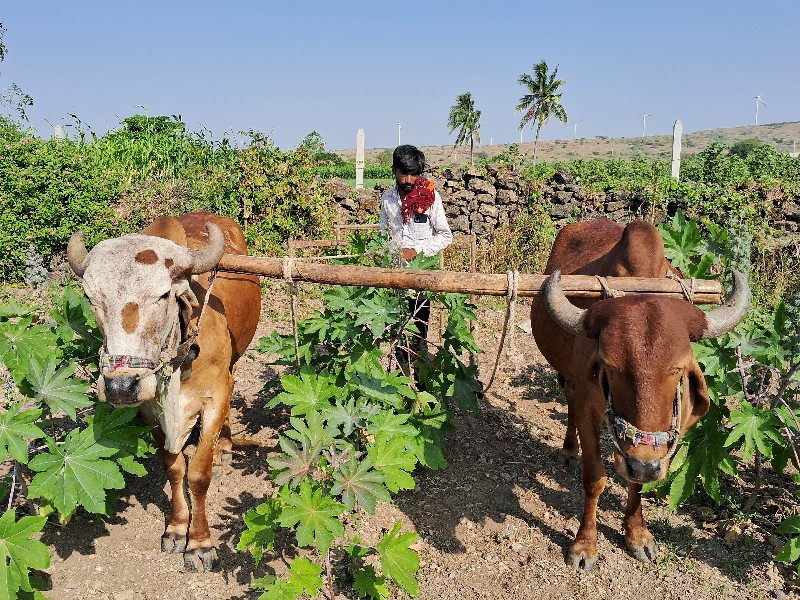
point(419, 199)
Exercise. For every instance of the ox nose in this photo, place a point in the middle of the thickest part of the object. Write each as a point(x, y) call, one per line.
point(644, 471)
point(121, 390)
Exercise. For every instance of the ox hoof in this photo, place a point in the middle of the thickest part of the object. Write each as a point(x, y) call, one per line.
point(173, 543)
point(567, 459)
point(225, 461)
point(581, 560)
point(200, 560)
point(645, 552)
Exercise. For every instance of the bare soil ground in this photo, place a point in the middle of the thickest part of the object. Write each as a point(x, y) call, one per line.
point(494, 524)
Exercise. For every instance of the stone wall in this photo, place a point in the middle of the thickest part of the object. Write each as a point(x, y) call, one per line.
point(478, 201)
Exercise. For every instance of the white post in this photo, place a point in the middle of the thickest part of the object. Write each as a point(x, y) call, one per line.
point(677, 132)
point(360, 160)
point(399, 126)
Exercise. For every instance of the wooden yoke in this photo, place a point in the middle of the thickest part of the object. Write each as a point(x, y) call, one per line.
point(484, 284)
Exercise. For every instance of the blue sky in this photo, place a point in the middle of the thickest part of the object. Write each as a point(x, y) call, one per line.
point(289, 68)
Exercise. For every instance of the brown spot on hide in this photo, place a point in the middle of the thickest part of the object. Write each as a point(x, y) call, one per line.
point(168, 262)
point(130, 317)
point(146, 257)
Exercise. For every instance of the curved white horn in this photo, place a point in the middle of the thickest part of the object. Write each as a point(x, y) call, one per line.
point(206, 259)
point(726, 316)
point(76, 253)
point(568, 316)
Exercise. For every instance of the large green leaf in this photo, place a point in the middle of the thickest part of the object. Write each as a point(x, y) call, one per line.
point(295, 463)
point(757, 428)
point(310, 391)
point(357, 482)
point(304, 576)
point(390, 456)
point(57, 387)
point(313, 429)
point(17, 430)
point(313, 514)
point(19, 553)
point(75, 473)
point(21, 343)
point(398, 561)
point(367, 584)
point(260, 533)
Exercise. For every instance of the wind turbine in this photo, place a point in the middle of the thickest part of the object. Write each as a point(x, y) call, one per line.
point(575, 129)
point(644, 122)
point(758, 99)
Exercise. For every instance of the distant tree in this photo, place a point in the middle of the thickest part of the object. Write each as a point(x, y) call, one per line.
point(315, 146)
point(542, 101)
point(13, 97)
point(743, 148)
point(313, 142)
point(463, 116)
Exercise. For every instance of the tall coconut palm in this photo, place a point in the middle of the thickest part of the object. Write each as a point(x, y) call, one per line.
point(464, 116)
point(543, 100)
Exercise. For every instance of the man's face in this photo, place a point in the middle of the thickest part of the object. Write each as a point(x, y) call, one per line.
point(405, 181)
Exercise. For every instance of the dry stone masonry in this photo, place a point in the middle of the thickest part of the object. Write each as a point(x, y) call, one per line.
point(480, 200)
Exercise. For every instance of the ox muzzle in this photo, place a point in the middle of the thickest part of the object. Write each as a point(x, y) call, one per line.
point(653, 468)
point(127, 380)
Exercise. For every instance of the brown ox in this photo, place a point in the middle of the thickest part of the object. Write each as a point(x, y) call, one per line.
point(626, 362)
point(147, 293)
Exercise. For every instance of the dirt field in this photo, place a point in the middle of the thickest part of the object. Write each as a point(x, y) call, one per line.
point(495, 524)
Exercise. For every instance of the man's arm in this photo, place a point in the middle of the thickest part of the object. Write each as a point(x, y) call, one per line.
point(442, 236)
point(389, 214)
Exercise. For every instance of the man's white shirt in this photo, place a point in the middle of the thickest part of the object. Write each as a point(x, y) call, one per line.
point(429, 237)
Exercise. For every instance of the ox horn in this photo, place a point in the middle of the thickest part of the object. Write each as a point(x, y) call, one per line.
point(206, 259)
point(725, 317)
point(568, 316)
point(76, 253)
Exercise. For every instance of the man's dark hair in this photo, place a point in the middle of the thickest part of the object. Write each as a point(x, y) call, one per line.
point(408, 159)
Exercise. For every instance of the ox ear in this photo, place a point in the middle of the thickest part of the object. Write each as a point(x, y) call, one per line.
point(76, 253)
point(187, 301)
point(699, 401)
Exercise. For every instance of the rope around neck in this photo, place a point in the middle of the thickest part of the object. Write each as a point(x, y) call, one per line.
point(511, 298)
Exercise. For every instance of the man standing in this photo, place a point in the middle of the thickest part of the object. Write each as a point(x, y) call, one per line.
point(413, 214)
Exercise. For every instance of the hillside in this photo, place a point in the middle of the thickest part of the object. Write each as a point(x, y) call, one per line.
point(781, 135)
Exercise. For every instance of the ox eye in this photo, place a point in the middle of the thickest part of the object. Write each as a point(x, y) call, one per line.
point(164, 296)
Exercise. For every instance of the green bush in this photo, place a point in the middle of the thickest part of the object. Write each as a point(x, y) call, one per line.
point(48, 190)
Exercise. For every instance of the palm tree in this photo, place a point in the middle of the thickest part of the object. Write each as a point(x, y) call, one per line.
point(464, 116)
point(543, 100)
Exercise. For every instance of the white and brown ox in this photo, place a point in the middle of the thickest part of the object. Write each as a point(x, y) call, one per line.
point(626, 362)
point(148, 292)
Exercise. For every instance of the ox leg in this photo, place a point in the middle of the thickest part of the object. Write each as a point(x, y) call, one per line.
point(174, 538)
point(583, 552)
point(223, 449)
point(639, 540)
point(200, 553)
point(569, 451)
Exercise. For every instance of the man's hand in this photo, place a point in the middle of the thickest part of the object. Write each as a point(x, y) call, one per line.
point(409, 253)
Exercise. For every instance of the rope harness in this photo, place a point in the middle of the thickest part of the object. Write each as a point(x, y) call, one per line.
point(621, 430)
point(174, 352)
point(511, 298)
